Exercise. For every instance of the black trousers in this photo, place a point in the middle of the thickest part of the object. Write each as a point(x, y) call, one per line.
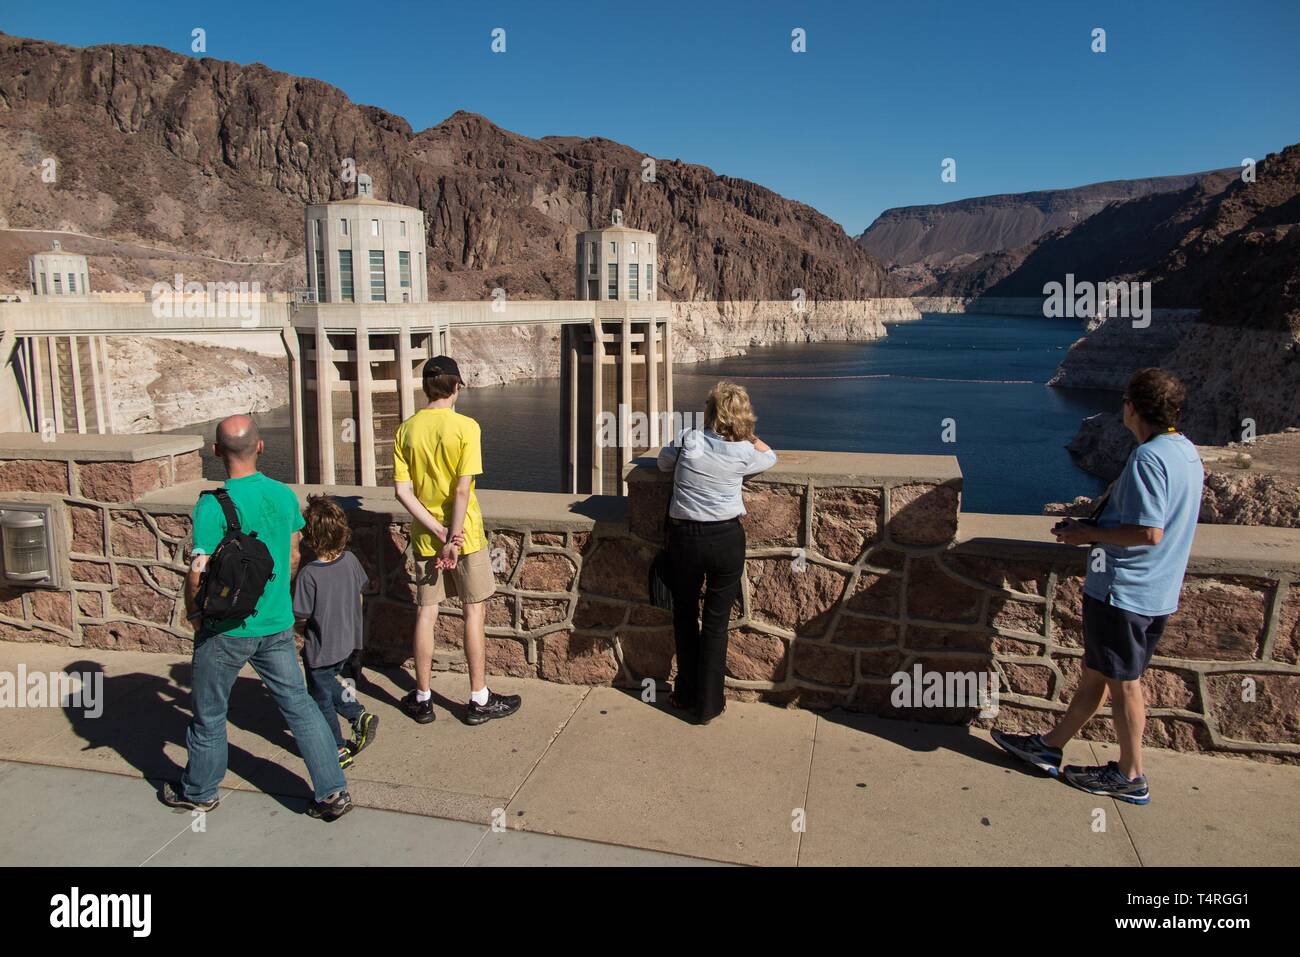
point(708, 556)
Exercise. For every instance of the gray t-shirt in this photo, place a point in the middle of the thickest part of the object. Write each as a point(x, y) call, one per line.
point(710, 474)
point(328, 596)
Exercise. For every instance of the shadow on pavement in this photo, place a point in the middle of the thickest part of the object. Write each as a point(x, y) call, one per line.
point(917, 736)
point(148, 712)
point(370, 691)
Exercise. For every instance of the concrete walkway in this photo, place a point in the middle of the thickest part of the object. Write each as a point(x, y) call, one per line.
point(596, 776)
point(69, 818)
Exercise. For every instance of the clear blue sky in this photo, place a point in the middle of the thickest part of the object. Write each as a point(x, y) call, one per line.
point(858, 123)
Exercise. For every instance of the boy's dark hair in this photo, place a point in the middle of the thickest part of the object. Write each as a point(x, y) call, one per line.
point(1157, 396)
point(327, 530)
point(441, 385)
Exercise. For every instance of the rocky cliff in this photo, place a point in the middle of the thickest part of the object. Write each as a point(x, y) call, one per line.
point(1121, 240)
point(161, 384)
point(211, 157)
point(701, 330)
point(923, 244)
point(1236, 255)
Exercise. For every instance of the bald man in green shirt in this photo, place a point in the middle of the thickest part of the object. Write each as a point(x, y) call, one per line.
point(264, 639)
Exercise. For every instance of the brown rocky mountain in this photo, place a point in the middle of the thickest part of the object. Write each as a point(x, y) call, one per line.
point(213, 159)
point(921, 245)
point(1236, 257)
point(1121, 240)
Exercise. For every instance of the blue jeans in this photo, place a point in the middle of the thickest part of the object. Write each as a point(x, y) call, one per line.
point(329, 694)
point(217, 660)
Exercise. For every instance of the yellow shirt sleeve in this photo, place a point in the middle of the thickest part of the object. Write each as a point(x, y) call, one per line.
point(401, 467)
point(471, 457)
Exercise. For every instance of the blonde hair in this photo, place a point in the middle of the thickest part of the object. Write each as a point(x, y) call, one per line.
point(729, 413)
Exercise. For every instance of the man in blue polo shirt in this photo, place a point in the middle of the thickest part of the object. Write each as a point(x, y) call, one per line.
point(1143, 532)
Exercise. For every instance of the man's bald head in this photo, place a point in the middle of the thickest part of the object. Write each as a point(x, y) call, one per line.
point(238, 438)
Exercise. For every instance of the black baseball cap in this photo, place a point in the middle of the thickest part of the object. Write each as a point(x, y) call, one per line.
point(441, 365)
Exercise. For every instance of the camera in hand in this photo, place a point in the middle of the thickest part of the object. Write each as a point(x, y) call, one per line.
point(1066, 522)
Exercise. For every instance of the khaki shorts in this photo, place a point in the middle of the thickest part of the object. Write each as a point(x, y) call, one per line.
point(471, 580)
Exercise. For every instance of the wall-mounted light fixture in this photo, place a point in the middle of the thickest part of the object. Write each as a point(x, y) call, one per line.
point(27, 535)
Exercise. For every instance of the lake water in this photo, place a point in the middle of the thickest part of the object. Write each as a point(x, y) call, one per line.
point(988, 374)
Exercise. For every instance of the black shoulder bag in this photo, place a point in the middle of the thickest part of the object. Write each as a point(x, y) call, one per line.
point(237, 573)
point(661, 568)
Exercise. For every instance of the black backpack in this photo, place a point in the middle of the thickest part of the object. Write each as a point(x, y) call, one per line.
point(237, 573)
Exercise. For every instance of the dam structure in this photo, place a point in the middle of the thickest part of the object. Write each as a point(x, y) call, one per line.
point(355, 340)
point(616, 374)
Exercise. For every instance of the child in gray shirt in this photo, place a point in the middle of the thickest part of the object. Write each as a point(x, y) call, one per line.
point(327, 596)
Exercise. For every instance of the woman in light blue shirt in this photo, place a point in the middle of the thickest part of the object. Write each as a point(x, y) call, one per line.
point(706, 542)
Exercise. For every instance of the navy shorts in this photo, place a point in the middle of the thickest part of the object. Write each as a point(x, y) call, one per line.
point(1116, 642)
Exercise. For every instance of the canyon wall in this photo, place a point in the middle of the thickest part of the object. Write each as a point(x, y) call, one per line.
point(161, 384)
point(1237, 380)
point(922, 246)
point(701, 330)
point(981, 305)
point(214, 161)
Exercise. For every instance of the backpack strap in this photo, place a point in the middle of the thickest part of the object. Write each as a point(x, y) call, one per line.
point(227, 509)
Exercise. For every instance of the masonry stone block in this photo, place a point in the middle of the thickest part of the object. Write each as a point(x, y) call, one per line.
point(846, 521)
point(922, 514)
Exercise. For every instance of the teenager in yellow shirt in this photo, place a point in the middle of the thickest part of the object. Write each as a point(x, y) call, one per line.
point(436, 455)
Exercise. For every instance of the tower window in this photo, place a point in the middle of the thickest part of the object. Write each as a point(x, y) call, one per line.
point(403, 227)
point(592, 261)
point(613, 281)
point(72, 282)
point(378, 289)
point(374, 227)
point(345, 276)
point(343, 227)
point(613, 249)
point(633, 284)
point(404, 269)
point(321, 293)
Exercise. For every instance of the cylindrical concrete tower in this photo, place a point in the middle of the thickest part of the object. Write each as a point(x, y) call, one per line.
point(356, 351)
point(616, 377)
point(617, 263)
point(59, 273)
point(364, 249)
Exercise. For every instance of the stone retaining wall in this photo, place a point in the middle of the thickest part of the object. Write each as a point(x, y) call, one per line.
point(859, 567)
